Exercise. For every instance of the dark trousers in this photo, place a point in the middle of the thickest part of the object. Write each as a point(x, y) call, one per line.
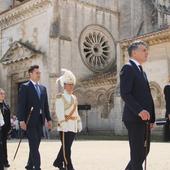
point(64, 155)
point(4, 146)
point(1, 152)
point(167, 131)
point(34, 134)
point(137, 137)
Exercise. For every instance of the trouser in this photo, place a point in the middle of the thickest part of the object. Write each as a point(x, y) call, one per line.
point(4, 146)
point(1, 152)
point(34, 134)
point(64, 155)
point(167, 131)
point(138, 151)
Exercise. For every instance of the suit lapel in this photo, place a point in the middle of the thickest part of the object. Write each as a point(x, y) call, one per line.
point(143, 77)
point(138, 71)
point(135, 67)
point(33, 89)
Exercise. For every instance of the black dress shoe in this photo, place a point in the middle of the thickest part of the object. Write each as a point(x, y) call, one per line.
point(29, 168)
point(6, 165)
point(60, 167)
point(70, 169)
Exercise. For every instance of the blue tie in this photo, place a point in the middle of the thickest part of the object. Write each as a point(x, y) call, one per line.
point(38, 90)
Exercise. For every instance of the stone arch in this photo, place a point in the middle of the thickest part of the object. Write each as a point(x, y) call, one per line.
point(103, 102)
point(101, 94)
point(79, 93)
point(157, 95)
point(110, 96)
point(89, 96)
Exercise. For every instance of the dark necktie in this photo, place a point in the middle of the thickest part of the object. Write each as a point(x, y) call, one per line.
point(142, 72)
point(37, 90)
point(141, 69)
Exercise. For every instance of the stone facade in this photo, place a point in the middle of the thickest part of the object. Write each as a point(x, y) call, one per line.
point(84, 36)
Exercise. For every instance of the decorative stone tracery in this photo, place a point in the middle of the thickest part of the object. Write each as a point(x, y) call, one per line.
point(97, 48)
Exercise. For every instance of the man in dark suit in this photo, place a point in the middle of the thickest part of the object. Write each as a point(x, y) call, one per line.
point(32, 94)
point(139, 106)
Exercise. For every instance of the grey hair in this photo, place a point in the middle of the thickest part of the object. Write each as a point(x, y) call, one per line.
point(1, 89)
point(135, 45)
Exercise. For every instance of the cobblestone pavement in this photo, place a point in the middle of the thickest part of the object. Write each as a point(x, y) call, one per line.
point(91, 155)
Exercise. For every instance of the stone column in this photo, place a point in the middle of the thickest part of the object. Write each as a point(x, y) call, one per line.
point(118, 102)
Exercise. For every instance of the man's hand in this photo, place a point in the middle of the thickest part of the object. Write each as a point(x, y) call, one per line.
point(50, 125)
point(23, 125)
point(144, 115)
point(67, 117)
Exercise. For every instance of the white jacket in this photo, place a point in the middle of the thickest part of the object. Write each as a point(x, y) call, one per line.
point(65, 104)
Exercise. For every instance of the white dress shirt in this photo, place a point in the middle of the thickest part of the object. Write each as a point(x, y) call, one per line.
point(35, 83)
point(136, 62)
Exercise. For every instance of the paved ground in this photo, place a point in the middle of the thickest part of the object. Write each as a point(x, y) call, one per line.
point(92, 155)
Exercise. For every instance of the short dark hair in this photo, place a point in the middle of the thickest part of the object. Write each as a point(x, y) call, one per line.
point(32, 68)
point(135, 45)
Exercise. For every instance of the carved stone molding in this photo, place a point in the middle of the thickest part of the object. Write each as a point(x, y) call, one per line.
point(19, 51)
point(153, 38)
point(99, 80)
point(22, 12)
point(98, 8)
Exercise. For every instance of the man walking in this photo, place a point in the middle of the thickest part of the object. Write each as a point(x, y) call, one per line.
point(139, 107)
point(33, 95)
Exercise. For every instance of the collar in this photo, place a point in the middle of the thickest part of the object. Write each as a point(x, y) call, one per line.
point(34, 83)
point(135, 61)
point(67, 96)
point(66, 93)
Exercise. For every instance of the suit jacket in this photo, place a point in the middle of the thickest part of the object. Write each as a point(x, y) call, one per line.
point(28, 98)
point(7, 119)
point(167, 98)
point(135, 91)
